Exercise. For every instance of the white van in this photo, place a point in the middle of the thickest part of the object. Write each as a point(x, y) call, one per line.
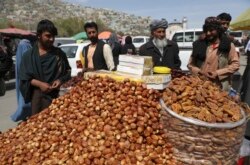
point(185, 38)
point(238, 35)
point(63, 40)
point(138, 41)
point(74, 55)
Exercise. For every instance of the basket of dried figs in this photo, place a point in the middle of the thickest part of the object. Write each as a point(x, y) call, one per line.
point(203, 123)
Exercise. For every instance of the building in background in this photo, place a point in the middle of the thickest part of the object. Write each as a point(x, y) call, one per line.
point(175, 26)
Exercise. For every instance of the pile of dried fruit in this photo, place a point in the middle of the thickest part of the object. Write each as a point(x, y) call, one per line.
point(190, 96)
point(197, 142)
point(99, 121)
point(73, 81)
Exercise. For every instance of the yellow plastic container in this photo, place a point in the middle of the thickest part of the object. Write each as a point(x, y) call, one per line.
point(162, 70)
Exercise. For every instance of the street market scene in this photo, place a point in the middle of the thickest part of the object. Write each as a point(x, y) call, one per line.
point(95, 86)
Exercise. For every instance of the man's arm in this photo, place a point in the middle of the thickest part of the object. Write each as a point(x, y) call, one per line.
point(65, 69)
point(233, 64)
point(108, 56)
point(192, 68)
point(141, 51)
point(45, 87)
point(177, 61)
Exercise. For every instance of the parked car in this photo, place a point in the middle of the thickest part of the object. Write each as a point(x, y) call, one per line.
point(63, 40)
point(238, 35)
point(138, 41)
point(185, 38)
point(74, 55)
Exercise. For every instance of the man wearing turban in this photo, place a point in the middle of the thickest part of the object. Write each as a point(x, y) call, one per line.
point(163, 51)
point(214, 57)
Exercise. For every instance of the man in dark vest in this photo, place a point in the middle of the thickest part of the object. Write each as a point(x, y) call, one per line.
point(215, 56)
point(98, 55)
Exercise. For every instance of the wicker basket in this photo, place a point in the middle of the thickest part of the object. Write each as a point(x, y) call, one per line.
point(200, 143)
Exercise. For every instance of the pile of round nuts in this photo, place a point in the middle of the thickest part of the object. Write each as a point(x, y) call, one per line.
point(193, 97)
point(73, 81)
point(99, 121)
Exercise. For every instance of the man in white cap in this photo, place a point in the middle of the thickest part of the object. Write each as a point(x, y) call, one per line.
point(163, 51)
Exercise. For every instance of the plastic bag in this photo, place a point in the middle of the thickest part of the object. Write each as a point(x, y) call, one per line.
point(245, 148)
point(201, 143)
point(244, 153)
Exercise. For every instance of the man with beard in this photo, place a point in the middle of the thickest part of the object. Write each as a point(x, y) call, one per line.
point(163, 51)
point(43, 69)
point(214, 57)
point(97, 54)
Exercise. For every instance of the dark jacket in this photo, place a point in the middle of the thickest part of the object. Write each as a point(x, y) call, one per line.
point(170, 56)
point(98, 57)
point(48, 68)
point(200, 49)
point(116, 52)
point(128, 46)
point(6, 62)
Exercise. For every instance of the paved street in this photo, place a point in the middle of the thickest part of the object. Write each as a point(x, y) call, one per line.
point(243, 63)
point(8, 102)
point(8, 106)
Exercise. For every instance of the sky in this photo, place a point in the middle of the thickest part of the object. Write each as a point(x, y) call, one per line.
point(194, 10)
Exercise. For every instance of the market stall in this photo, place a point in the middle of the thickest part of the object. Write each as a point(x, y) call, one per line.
point(117, 118)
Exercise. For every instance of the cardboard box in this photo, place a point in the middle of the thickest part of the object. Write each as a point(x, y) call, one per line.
point(131, 70)
point(127, 74)
point(143, 60)
point(157, 86)
point(113, 75)
point(150, 79)
point(130, 64)
point(156, 78)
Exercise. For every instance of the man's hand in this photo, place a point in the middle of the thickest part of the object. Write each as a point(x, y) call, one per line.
point(56, 84)
point(236, 98)
point(231, 38)
point(45, 87)
point(201, 73)
point(212, 75)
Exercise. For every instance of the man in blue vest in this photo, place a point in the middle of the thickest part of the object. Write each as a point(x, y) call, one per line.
point(98, 55)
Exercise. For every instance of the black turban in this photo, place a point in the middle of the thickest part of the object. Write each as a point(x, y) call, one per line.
point(212, 23)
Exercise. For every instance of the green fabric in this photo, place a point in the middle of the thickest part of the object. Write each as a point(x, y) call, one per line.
point(80, 36)
point(47, 68)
